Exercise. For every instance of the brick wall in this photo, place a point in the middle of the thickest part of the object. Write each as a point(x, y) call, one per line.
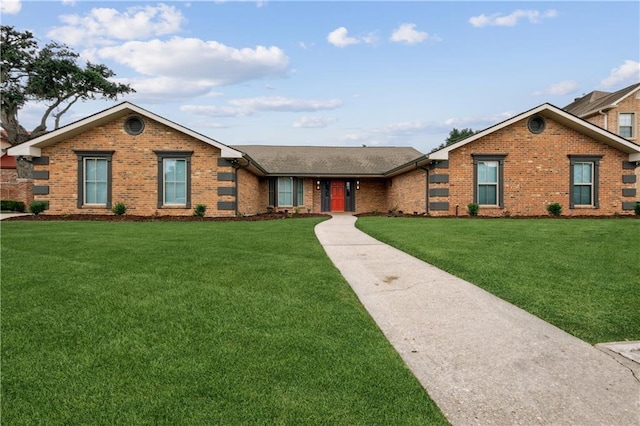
point(372, 196)
point(16, 189)
point(407, 192)
point(536, 171)
point(134, 170)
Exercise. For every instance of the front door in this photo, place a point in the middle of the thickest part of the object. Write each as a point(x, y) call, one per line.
point(337, 195)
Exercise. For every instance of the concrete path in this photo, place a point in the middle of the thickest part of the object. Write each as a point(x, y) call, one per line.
point(8, 215)
point(481, 359)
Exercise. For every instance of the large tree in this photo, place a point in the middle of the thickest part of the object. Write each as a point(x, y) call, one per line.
point(455, 135)
point(50, 75)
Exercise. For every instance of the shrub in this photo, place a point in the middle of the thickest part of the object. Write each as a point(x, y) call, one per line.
point(554, 209)
point(199, 210)
point(12, 206)
point(473, 209)
point(119, 208)
point(637, 209)
point(37, 207)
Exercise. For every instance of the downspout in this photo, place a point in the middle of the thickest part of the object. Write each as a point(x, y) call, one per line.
point(236, 167)
point(605, 119)
point(426, 193)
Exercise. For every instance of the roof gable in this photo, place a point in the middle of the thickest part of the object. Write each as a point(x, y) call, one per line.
point(33, 147)
point(597, 101)
point(552, 112)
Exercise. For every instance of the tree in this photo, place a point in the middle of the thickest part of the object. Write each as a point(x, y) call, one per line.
point(50, 75)
point(455, 135)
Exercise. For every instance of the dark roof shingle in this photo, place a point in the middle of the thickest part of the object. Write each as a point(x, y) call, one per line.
point(328, 160)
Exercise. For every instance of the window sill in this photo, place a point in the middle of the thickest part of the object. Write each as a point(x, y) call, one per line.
point(174, 207)
point(584, 207)
point(94, 206)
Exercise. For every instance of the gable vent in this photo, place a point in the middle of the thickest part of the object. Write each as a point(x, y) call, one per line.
point(134, 125)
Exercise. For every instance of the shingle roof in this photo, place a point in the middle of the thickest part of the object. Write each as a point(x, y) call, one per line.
point(595, 101)
point(328, 160)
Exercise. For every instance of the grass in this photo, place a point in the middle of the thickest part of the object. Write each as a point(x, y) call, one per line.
point(191, 323)
point(582, 275)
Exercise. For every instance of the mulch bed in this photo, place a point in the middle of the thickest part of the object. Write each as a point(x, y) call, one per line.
point(134, 218)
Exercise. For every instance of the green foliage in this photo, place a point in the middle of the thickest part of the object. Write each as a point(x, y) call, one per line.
point(37, 207)
point(191, 323)
point(473, 209)
point(199, 210)
point(50, 75)
point(12, 206)
point(554, 209)
point(637, 209)
point(580, 275)
point(455, 135)
point(119, 208)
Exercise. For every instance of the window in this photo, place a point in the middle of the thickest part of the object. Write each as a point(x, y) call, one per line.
point(584, 180)
point(286, 192)
point(175, 181)
point(488, 179)
point(94, 178)
point(174, 178)
point(625, 125)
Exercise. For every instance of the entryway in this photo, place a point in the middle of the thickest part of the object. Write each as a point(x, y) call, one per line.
point(338, 195)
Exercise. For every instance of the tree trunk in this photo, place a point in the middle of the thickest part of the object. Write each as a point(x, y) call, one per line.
point(24, 167)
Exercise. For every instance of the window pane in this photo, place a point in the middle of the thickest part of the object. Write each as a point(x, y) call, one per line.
point(175, 181)
point(487, 172)
point(95, 181)
point(285, 191)
point(582, 173)
point(626, 131)
point(626, 119)
point(582, 195)
point(488, 195)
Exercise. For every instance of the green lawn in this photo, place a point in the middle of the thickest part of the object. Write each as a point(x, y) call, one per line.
point(190, 323)
point(583, 275)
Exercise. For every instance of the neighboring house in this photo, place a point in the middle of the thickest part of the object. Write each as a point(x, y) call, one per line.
point(11, 188)
point(155, 166)
point(617, 112)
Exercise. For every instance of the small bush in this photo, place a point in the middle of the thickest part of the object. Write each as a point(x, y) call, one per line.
point(473, 209)
point(554, 209)
point(199, 210)
point(637, 209)
point(12, 206)
point(119, 208)
point(37, 207)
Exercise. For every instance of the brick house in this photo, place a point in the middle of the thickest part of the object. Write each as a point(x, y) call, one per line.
point(542, 156)
point(155, 166)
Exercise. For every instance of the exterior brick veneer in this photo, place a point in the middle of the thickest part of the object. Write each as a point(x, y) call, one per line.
point(537, 171)
point(134, 170)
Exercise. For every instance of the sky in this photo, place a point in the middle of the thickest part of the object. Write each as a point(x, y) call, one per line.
point(333, 73)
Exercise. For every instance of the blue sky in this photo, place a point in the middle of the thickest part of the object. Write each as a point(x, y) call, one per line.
point(342, 73)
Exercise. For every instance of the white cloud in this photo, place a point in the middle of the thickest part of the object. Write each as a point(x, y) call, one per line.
point(167, 88)
point(480, 122)
point(339, 37)
point(496, 20)
point(407, 33)
point(212, 63)
point(560, 89)
point(308, 122)
point(627, 73)
point(10, 7)
point(249, 106)
point(278, 103)
point(102, 26)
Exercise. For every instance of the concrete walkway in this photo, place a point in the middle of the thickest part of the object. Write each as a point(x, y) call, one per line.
point(481, 359)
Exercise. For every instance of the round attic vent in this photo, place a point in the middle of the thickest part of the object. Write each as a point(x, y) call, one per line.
point(536, 124)
point(134, 125)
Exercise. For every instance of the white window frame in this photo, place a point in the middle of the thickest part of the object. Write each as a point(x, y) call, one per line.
point(583, 184)
point(86, 181)
point(631, 127)
point(164, 181)
point(495, 184)
point(281, 180)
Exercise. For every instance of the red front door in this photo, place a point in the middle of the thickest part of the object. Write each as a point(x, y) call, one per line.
point(337, 195)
